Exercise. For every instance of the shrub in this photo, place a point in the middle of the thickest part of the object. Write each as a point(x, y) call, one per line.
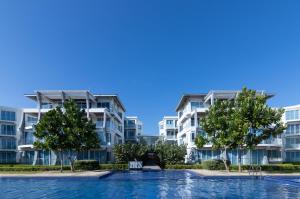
point(86, 164)
point(214, 164)
point(31, 168)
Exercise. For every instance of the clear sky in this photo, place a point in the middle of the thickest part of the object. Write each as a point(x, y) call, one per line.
point(149, 52)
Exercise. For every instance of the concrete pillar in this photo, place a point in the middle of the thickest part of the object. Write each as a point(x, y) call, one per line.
point(87, 105)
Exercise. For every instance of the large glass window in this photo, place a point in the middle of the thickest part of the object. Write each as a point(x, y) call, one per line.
point(8, 115)
point(7, 157)
point(293, 129)
point(292, 115)
point(46, 105)
point(103, 105)
point(8, 143)
point(169, 122)
point(192, 121)
point(7, 129)
point(29, 138)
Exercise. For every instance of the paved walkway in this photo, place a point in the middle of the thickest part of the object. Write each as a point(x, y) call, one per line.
point(155, 168)
point(58, 174)
point(204, 172)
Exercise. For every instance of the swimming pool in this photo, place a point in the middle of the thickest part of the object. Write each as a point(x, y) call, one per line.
point(160, 184)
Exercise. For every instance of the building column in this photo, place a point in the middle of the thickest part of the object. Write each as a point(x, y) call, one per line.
point(87, 105)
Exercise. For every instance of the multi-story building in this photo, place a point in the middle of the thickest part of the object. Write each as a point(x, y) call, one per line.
point(133, 129)
point(18, 126)
point(9, 133)
point(194, 106)
point(291, 136)
point(168, 129)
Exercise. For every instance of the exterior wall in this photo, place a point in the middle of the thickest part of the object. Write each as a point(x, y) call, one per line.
point(133, 129)
point(190, 111)
point(291, 136)
point(104, 110)
point(168, 129)
point(9, 134)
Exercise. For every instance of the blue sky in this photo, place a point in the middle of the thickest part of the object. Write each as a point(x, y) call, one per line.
point(149, 52)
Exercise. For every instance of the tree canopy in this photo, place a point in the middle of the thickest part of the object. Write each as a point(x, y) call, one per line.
point(66, 129)
point(241, 123)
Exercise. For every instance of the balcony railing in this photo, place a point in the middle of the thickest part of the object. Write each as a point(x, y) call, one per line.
point(294, 146)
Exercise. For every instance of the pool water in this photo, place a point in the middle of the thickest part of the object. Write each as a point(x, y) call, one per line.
point(161, 184)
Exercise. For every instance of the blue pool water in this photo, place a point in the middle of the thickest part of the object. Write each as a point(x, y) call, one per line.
point(163, 184)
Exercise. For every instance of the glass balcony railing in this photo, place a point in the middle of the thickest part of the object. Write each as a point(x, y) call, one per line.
point(294, 146)
point(272, 141)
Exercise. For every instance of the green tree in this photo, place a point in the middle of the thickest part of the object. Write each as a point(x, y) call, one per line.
point(170, 153)
point(50, 134)
point(124, 153)
point(66, 130)
point(217, 125)
point(80, 131)
point(254, 121)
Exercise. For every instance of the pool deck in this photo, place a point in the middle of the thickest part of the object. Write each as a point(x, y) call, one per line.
point(58, 174)
point(204, 172)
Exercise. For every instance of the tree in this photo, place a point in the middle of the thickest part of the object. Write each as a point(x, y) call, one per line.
point(80, 131)
point(129, 152)
point(170, 153)
point(66, 130)
point(254, 121)
point(217, 125)
point(50, 134)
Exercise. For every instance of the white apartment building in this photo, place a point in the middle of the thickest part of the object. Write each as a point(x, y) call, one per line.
point(168, 129)
point(18, 125)
point(291, 136)
point(133, 129)
point(9, 133)
point(192, 107)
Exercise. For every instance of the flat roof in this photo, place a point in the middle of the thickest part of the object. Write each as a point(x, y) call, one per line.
point(57, 94)
point(185, 97)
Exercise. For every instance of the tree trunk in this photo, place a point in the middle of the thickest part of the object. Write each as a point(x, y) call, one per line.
point(240, 159)
point(61, 161)
point(225, 159)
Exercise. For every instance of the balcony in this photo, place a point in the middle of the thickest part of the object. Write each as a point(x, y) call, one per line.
point(292, 146)
point(272, 141)
point(171, 137)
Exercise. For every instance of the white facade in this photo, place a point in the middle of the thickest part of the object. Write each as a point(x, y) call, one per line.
point(194, 106)
point(10, 133)
point(133, 129)
point(106, 111)
point(291, 136)
point(168, 128)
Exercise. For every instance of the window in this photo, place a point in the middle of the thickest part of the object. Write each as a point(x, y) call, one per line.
point(29, 138)
point(192, 121)
point(103, 105)
point(180, 114)
point(8, 115)
point(7, 129)
point(46, 105)
point(292, 115)
point(161, 126)
point(293, 129)
point(169, 122)
point(193, 136)
point(8, 143)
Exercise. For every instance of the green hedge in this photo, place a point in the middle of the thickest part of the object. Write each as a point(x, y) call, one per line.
point(214, 164)
point(183, 166)
point(86, 165)
point(22, 167)
point(31, 168)
point(272, 167)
